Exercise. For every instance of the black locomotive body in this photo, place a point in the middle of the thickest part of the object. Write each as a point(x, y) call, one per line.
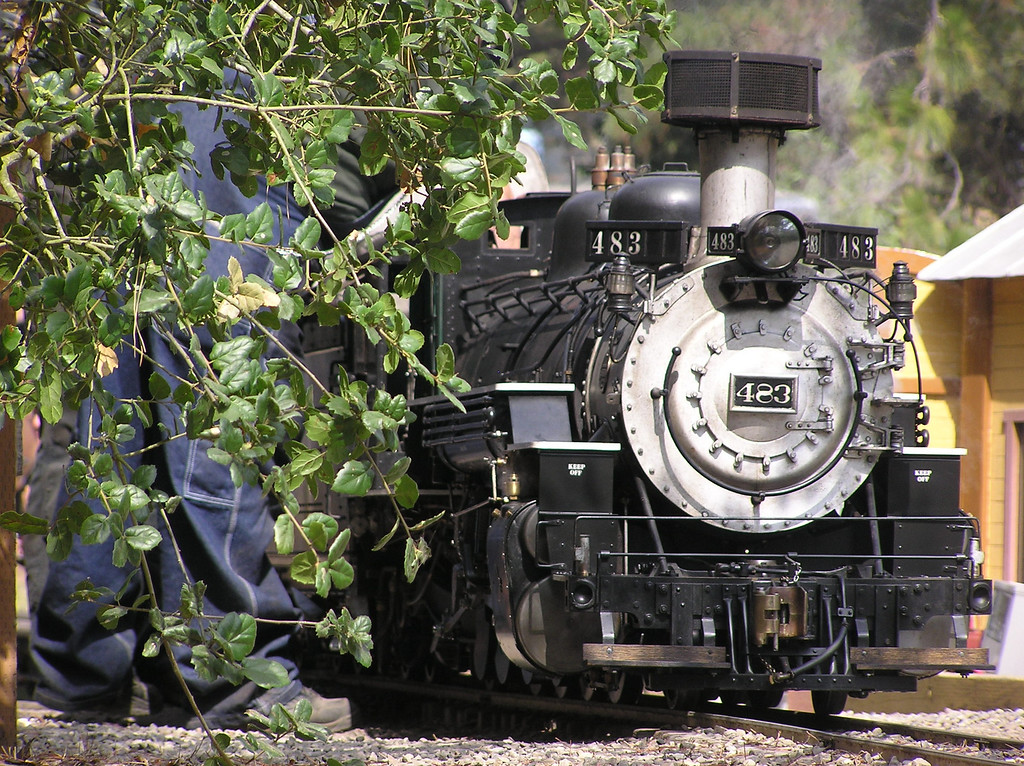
point(682, 464)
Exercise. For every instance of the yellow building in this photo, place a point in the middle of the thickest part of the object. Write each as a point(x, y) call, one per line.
point(970, 312)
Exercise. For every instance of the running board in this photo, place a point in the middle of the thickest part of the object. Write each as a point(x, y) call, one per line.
point(654, 656)
point(906, 658)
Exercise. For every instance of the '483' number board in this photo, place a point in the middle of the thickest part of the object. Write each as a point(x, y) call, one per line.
point(842, 246)
point(641, 241)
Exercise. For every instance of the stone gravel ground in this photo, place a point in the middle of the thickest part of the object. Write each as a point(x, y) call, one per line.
point(47, 741)
point(54, 742)
point(1005, 724)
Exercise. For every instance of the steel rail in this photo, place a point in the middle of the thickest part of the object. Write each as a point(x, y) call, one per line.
point(835, 732)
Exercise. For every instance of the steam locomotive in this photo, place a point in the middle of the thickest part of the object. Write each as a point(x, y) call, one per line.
point(682, 465)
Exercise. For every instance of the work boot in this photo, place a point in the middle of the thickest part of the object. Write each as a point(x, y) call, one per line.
point(139, 702)
point(333, 713)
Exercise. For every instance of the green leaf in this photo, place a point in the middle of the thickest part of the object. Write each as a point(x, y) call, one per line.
point(319, 528)
point(303, 568)
point(270, 90)
point(233, 226)
point(398, 469)
point(192, 599)
point(420, 526)
point(605, 71)
point(387, 537)
point(197, 300)
point(354, 478)
point(267, 674)
point(373, 152)
point(77, 285)
point(142, 537)
point(461, 170)
point(569, 55)
point(342, 574)
point(571, 132)
point(284, 534)
point(144, 475)
point(159, 388)
point(92, 81)
point(341, 126)
point(51, 405)
point(218, 20)
point(235, 360)
point(95, 529)
point(406, 492)
point(444, 360)
point(442, 261)
point(581, 93)
point(656, 75)
point(416, 554)
point(24, 523)
point(306, 462)
point(128, 498)
point(110, 614)
point(259, 224)
point(152, 646)
point(237, 634)
point(471, 216)
point(339, 545)
point(378, 421)
point(649, 96)
point(322, 581)
point(67, 524)
point(307, 235)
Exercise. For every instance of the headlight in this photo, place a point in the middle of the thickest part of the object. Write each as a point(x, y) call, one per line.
point(772, 241)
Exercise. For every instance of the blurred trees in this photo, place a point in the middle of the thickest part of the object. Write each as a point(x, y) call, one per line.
point(922, 104)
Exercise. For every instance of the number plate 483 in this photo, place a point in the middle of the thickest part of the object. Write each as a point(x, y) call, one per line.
point(757, 393)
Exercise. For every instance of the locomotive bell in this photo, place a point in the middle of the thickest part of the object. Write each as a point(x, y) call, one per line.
point(671, 194)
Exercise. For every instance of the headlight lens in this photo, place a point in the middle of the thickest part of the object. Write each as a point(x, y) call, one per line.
point(772, 241)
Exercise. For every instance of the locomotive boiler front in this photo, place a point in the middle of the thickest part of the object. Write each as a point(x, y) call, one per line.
point(756, 415)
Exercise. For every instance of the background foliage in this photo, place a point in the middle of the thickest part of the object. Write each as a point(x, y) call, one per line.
point(922, 102)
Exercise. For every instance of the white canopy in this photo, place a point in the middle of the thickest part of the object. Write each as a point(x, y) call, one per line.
point(994, 252)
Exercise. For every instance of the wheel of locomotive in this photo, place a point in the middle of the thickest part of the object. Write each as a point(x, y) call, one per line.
point(533, 683)
point(827, 702)
point(434, 671)
point(412, 662)
point(625, 688)
point(410, 651)
point(485, 646)
point(764, 699)
point(682, 699)
point(732, 697)
point(563, 689)
point(587, 690)
point(504, 670)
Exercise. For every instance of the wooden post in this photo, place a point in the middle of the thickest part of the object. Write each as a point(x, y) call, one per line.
point(9, 450)
point(975, 428)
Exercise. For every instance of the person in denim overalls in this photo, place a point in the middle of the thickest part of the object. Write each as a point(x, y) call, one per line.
point(222, 530)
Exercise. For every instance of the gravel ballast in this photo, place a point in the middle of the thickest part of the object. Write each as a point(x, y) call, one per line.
point(45, 741)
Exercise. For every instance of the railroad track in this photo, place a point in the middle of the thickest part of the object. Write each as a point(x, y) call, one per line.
point(467, 704)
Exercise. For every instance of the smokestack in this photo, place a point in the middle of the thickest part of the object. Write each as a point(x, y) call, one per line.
point(740, 105)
